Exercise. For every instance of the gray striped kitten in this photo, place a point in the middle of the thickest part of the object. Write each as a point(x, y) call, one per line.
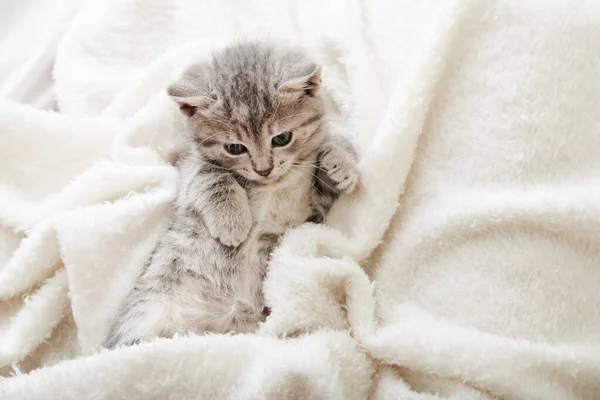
point(259, 161)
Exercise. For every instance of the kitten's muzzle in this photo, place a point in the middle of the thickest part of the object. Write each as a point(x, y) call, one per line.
point(264, 172)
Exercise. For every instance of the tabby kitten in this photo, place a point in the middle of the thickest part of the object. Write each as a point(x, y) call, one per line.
point(259, 161)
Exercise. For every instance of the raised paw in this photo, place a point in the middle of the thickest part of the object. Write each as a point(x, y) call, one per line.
point(340, 167)
point(231, 227)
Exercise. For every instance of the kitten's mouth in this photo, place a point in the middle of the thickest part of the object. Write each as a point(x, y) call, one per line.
point(271, 181)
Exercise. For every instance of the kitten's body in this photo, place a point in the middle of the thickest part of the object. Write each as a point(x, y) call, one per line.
point(206, 271)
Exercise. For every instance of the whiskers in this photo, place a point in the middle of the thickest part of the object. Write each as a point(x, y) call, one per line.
point(309, 167)
point(216, 166)
point(211, 136)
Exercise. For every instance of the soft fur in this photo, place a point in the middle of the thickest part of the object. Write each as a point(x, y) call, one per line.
point(206, 271)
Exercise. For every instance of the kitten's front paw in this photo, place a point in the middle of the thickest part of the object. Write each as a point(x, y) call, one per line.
point(231, 229)
point(341, 169)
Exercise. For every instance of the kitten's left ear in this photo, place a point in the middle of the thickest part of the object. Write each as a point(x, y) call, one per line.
point(305, 80)
point(191, 91)
point(188, 101)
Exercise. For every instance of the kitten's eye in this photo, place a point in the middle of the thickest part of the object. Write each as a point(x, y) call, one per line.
point(282, 139)
point(235, 149)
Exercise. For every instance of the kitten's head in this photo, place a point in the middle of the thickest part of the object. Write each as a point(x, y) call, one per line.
point(254, 109)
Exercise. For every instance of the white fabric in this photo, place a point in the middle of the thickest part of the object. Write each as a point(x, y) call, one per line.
point(476, 223)
point(30, 31)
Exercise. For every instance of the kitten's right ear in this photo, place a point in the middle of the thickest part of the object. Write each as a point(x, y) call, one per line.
point(304, 79)
point(190, 93)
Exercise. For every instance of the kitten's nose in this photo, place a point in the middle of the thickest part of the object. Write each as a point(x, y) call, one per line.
point(264, 172)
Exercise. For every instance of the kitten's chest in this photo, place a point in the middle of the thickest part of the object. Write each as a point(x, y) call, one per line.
point(278, 209)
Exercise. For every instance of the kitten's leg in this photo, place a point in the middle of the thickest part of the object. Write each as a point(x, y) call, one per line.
point(221, 202)
point(336, 173)
point(141, 318)
point(320, 203)
point(142, 314)
point(337, 162)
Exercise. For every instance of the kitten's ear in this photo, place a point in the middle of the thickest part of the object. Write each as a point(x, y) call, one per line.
point(304, 80)
point(190, 92)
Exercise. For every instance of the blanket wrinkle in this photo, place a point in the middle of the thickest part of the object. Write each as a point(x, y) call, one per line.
point(464, 266)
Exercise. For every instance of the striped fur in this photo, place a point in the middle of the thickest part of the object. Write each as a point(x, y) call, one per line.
point(206, 271)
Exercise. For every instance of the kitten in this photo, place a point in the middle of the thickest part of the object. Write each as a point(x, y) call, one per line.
point(259, 161)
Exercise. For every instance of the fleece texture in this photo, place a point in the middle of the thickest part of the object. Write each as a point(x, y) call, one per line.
point(465, 266)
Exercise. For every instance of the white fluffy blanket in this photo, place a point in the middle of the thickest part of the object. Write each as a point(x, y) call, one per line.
point(466, 266)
